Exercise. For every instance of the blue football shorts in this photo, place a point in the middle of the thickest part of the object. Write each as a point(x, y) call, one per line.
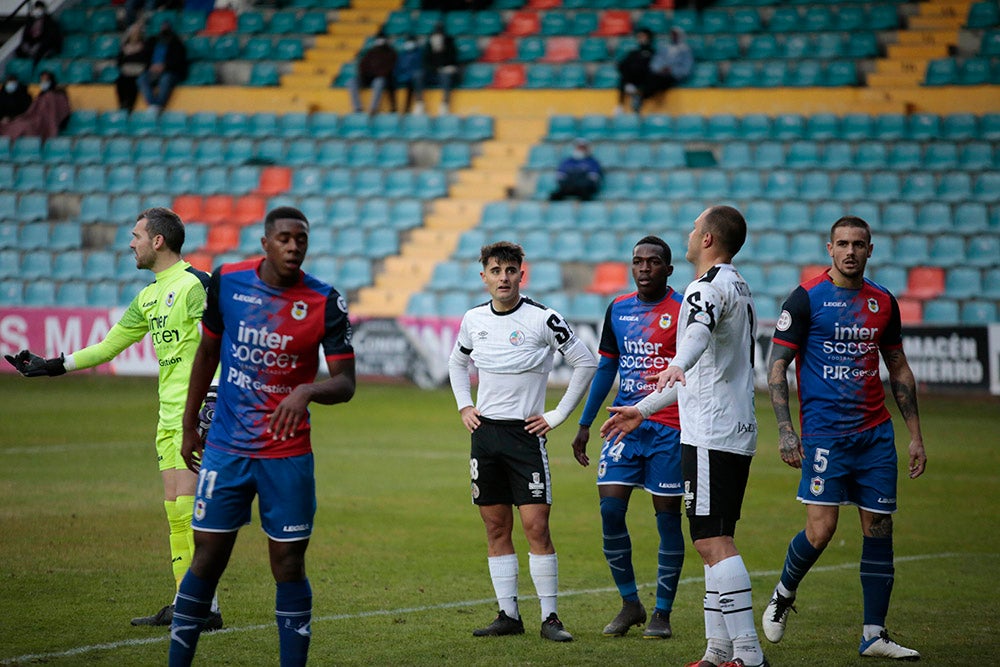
point(285, 489)
point(853, 469)
point(648, 457)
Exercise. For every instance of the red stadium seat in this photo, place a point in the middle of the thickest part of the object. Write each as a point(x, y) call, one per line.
point(188, 207)
point(810, 271)
point(249, 210)
point(217, 209)
point(544, 4)
point(925, 282)
point(274, 181)
point(508, 76)
point(200, 260)
point(499, 49)
point(609, 278)
point(561, 50)
point(220, 22)
point(911, 311)
point(222, 238)
point(524, 23)
point(614, 22)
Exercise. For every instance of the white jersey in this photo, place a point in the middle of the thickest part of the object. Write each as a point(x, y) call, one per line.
point(513, 353)
point(717, 401)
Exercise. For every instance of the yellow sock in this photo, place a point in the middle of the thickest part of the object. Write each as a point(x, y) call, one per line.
point(181, 535)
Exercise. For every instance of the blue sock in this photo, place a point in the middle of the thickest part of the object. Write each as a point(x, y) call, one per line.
point(670, 559)
point(618, 546)
point(801, 556)
point(293, 612)
point(877, 574)
point(194, 604)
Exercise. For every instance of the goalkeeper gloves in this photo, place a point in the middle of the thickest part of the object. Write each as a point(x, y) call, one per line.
point(207, 412)
point(31, 365)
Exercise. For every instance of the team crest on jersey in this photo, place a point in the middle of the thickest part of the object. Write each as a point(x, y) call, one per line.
point(816, 486)
point(784, 321)
point(170, 299)
point(516, 338)
point(873, 305)
point(342, 304)
point(666, 319)
point(299, 310)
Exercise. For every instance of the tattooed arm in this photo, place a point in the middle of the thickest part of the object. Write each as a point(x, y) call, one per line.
point(904, 390)
point(789, 444)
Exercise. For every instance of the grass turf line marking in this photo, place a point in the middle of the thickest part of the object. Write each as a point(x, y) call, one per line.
point(110, 646)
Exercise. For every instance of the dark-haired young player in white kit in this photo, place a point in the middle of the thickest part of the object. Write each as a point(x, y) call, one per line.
point(512, 340)
point(711, 377)
point(836, 326)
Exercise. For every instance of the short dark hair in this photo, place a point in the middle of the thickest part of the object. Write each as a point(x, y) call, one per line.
point(504, 252)
point(161, 221)
point(728, 226)
point(283, 213)
point(657, 241)
point(852, 221)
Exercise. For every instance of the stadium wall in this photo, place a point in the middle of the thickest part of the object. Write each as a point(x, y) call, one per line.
point(948, 358)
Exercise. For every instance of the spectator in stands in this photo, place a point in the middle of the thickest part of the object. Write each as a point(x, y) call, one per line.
point(167, 66)
point(441, 63)
point(634, 70)
point(14, 98)
point(580, 175)
point(375, 70)
point(672, 64)
point(47, 114)
point(409, 74)
point(132, 58)
point(42, 36)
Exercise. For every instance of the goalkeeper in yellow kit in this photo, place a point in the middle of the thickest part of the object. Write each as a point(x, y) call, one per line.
point(169, 310)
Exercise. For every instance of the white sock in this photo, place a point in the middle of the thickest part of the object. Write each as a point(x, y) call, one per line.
point(736, 603)
point(215, 603)
point(545, 574)
point(872, 631)
point(503, 572)
point(720, 648)
point(784, 592)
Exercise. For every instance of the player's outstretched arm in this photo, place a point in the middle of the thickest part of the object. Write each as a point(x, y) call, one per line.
point(623, 420)
point(904, 390)
point(206, 360)
point(31, 365)
point(584, 365)
point(789, 444)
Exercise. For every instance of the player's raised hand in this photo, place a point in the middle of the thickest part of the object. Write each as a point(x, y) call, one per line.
point(668, 377)
point(624, 419)
point(31, 365)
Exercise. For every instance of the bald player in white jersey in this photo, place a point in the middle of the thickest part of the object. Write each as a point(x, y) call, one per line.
point(512, 341)
point(711, 377)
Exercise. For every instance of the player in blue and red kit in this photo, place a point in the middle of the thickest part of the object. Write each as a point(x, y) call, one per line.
point(835, 326)
point(638, 340)
point(266, 320)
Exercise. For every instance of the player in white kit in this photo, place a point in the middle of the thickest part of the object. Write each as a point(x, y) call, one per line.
point(512, 340)
point(712, 379)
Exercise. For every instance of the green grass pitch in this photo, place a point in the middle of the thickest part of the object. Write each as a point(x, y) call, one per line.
point(398, 558)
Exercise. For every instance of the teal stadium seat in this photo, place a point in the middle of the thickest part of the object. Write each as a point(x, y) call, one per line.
point(264, 74)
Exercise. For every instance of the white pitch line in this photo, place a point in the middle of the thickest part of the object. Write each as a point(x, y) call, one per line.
point(110, 646)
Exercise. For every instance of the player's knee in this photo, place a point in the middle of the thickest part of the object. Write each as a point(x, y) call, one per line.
point(613, 513)
point(881, 525)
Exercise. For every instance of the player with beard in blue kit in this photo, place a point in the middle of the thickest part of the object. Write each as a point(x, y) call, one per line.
point(836, 326)
point(639, 339)
point(267, 321)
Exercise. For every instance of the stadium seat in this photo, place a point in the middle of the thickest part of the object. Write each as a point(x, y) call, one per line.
point(983, 251)
point(941, 311)
point(947, 251)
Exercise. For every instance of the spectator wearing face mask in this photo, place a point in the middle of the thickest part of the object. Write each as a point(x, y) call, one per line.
point(441, 63)
point(42, 36)
point(14, 98)
point(167, 66)
point(46, 115)
point(375, 70)
point(409, 74)
point(579, 175)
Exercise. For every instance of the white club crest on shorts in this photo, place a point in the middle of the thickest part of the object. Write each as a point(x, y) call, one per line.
point(170, 299)
point(536, 485)
point(784, 321)
point(299, 310)
point(816, 486)
point(666, 319)
point(199, 510)
point(873, 305)
point(475, 490)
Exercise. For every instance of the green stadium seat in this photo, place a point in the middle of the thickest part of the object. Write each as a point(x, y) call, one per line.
point(746, 185)
point(955, 187)
point(60, 178)
point(882, 17)
point(986, 186)
point(742, 74)
point(962, 282)
point(29, 176)
point(745, 21)
point(605, 76)
point(984, 14)
point(768, 155)
point(264, 74)
point(979, 312)
point(972, 218)
point(313, 23)
point(201, 74)
point(815, 185)
point(250, 22)
point(871, 156)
